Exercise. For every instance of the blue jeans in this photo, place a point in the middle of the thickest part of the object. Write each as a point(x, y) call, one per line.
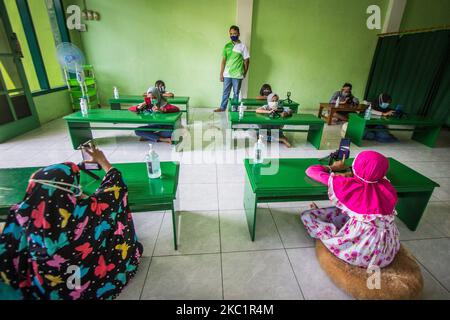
point(154, 136)
point(227, 84)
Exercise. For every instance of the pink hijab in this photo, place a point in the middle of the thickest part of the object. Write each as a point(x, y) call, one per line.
point(368, 192)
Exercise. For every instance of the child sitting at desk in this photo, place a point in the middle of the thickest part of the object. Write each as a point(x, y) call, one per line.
point(381, 108)
point(360, 229)
point(264, 92)
point(345, 97)
point(269, 108)
point(154, 102)
point(162, 89)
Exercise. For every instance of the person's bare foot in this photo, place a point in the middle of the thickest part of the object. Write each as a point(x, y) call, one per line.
point(166, 140)
point(219, 110)
point(285, 142)
point(313, 206)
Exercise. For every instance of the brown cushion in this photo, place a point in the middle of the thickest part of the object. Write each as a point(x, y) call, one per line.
point(401, 280)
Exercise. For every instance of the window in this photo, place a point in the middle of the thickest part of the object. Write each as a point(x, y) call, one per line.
point(40, 15)
point(38, 26)
point(27, 61)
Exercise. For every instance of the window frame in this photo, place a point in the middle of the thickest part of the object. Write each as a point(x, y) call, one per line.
point(33, 44)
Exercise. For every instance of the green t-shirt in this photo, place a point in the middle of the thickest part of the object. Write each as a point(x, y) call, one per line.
point(234, 55)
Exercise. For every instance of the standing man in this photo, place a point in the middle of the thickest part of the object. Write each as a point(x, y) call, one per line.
point(234, 67)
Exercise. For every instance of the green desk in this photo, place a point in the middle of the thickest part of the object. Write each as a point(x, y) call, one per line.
point(259, 103)
point(252, 118)
point(116, 103)
point(290, 183)
point(425, 131)
point(80, 128)
point(144, 194)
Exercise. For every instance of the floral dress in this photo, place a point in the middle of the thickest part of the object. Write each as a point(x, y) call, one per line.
point(358, 239)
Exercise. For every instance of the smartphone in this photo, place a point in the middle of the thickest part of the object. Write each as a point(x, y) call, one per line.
point(344, 149)
point(86, 156)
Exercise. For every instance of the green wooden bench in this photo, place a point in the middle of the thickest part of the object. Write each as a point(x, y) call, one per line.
point(144, 194)
point(285, 180)
point(80, 128)
point(116, 104)
point(256, 103)
point(315, 124)
point(425, 131)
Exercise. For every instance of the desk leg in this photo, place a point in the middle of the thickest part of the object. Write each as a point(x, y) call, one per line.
point(115, 106)
point(175, 222)
point(315, 135)
point(355, 129)
point(411, 206)
point(250, 206)
point(330, 117)
point(319, 115)
point(187, 113)
point(427, 136)
point(176, 136)
point(80, 132)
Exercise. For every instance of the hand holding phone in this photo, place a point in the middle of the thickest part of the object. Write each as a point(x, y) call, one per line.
point(93, 158)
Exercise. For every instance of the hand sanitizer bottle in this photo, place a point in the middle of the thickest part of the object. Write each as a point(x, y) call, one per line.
point(258, 155)
point(116, 93)
point(338, 101)
point(153, 164)
point(241, 111)
point(83, 107)
point(368, 113)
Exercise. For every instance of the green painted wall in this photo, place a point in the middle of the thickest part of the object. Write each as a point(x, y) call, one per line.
point(425, 14)
point(52, 106)
point(312, 47)
point(138, 42)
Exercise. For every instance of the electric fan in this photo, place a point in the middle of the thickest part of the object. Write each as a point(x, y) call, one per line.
point(72, 60)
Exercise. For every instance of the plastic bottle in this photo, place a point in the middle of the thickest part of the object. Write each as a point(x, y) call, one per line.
point(83, 107)
point(338, 101)
point(259, 150)
point(116, 93)
point(368, 113)
point(153, 164)
point(241, 111)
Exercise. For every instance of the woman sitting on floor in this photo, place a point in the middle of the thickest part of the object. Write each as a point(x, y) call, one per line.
point(360, 229)
point(61, 244)
point(154, 102)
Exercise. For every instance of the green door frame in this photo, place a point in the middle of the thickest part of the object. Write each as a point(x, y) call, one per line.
point(18, 126)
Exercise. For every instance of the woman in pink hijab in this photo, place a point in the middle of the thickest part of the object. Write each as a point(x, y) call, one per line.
point(360, 229)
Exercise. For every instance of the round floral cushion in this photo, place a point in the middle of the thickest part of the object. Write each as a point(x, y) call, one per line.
point(401, 280)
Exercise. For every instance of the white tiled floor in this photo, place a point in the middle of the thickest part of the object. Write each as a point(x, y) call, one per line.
point(216, 258)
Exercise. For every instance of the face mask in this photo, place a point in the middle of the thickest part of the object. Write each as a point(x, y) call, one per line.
point(234, 38)
point(273, 104)
point(345, 94)
point(60, 186)
point(384, 105)
point(267, 92)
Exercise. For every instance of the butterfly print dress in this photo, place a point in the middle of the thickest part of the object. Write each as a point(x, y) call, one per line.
point(57, 246)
